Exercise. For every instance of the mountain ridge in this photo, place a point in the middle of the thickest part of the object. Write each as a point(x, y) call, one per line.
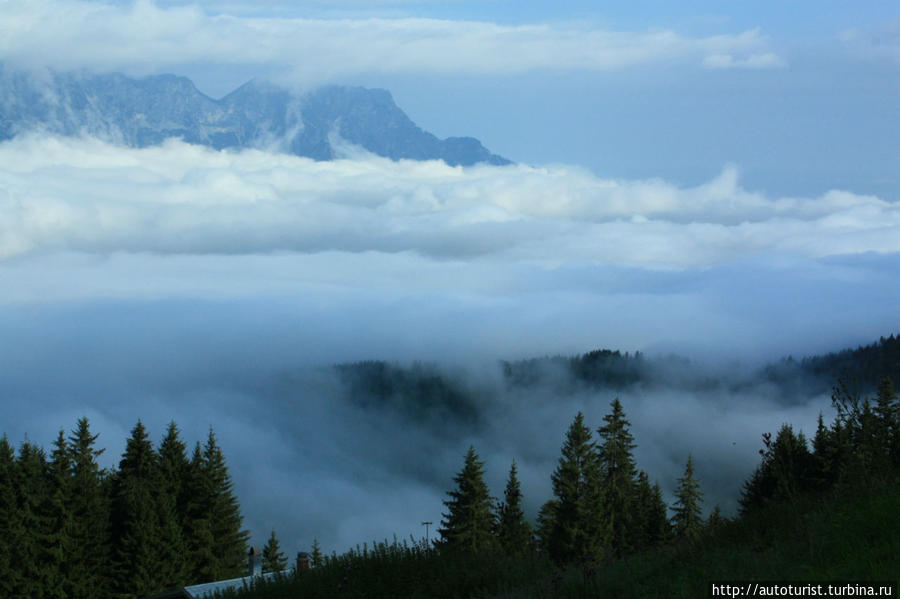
point(258, 114)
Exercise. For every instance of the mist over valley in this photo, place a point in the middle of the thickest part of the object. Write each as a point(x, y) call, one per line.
point(356, 240)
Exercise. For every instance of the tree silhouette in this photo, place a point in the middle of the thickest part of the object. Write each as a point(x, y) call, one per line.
point(513, 531)
point(569, 526)
point(469, 522)
point(274, 559)
point(687, 520)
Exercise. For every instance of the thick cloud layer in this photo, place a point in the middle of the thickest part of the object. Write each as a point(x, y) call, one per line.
point(69, 35)
point(64, 194)
point(210, 287)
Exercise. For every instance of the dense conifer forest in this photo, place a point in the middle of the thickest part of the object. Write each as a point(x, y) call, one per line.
point(825, 507)
point(72, 530)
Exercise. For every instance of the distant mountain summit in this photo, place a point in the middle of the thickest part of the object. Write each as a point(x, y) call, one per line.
point(144, 112)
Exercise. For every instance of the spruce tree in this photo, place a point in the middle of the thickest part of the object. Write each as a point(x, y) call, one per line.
point(315, 557)
point(59, 544)
point(215, 536)
point(618, 479)
point(651, 519)
point(687, 519)
point(513, 531)
point(12, 531)
point(887, 412)
point(546, 527)
point(33, 493)
point(198, 536)
point(173, 468)
point(570, 529)
point(469, 523)
point(89, 560)
point(273, 558)
point(134, 514)
point(716, 520)
point(227, 521)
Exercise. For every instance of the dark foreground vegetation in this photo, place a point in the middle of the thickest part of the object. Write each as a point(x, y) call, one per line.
point(817, 509)
point(822, 511)
point(72, 530)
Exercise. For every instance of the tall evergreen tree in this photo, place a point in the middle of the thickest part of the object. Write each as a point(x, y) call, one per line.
point(173, 470)
point(273, 559)
point(469, 522)
point(227, 521)
point(687, 519)
point(618, 480)
point(198, 536)
point(570, 529)
point(215, 536)
point(716, 520)
point(135, 527)
point(787, 467)
point(59, 544)
point(887, 412)
point(12, 531)
point(89, 560)
point(513, 531)
point(33, 492)
point(651, 518)
point(315, 557)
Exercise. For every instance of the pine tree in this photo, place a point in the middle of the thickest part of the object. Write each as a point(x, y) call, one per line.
point(135, 525)
point(89, 560)
point(618, 479)
point(716, 520)
point(513, 531)
point(198, 536)
point(12, 531)
point(887, 412)
point(546, 527)
point(652, 523)
point(274, 559)
point(59, 543)
point(33, 493)
point(570, 530)
point(787, 468)
point(315, 557)
point(216, 542)
point(687, 520)
point(173, 468)
point(825, 460)
point(469, 523)
point(225, 513)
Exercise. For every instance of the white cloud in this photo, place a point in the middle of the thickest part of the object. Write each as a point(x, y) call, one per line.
point(145, 37)
point(767, 60)
point(882, 42)
point(87, 196)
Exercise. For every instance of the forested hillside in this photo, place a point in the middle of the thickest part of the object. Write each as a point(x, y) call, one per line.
point(820, 512)
point(164, 519)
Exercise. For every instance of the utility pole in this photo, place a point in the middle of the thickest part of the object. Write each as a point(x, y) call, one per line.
point(426, 525)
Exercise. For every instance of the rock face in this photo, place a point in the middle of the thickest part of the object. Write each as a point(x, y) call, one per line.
point(144, 112)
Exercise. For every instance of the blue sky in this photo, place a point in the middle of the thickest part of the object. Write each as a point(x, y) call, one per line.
point(801, 97)
point(716, 179)
point(827, 119)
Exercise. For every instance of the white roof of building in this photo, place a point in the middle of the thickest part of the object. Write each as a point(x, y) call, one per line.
point(207, 589)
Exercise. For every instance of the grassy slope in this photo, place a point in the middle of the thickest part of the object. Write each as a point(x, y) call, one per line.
point(855, 536)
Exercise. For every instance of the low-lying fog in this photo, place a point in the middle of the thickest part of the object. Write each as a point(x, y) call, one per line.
point(215, 288)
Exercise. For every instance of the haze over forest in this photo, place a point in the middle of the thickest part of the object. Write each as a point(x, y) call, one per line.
point(717, 185)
